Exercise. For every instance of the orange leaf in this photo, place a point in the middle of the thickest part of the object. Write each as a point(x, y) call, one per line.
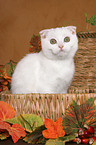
point(4, 83)
point(4, 125)
point(16, 132)
point(54, 129)
point(59, 126)
point(3, 129)
point(6, 111)
point(5, 88)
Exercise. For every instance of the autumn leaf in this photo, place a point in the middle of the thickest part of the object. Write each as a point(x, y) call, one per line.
point(4, 127)
point(76, 116)
point(54, 129)
point(36, 136)
point(16, 131)
point(35, 44)
point(3, 134)
point(88, 110)
point(28, 121)
point(6, 111)
point(60, 141)
point(6, 72)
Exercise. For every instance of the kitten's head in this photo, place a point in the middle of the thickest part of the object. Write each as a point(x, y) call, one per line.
point(59, 43)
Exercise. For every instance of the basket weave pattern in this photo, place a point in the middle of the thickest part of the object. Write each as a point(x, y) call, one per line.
point(53, 105)
point(50, 106)
point(85, 63)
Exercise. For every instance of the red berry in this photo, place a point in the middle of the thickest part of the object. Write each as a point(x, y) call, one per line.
point(89, 128)
point(86, 133)
point(75, 140)
point(85, 140)
point(92, 139)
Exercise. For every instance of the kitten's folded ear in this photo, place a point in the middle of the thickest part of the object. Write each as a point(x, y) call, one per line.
point(72, 28)
point(43, 33)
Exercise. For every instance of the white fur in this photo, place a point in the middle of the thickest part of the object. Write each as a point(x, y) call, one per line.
point(52, 69)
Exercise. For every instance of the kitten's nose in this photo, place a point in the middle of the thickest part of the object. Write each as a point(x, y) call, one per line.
point(61, 46)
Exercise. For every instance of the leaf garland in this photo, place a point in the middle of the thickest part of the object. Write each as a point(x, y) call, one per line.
point(32, 129)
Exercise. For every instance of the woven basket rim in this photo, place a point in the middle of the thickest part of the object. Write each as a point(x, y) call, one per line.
point(8, 93)
point(88, 35)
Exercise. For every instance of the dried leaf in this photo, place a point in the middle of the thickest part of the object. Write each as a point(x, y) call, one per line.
point(6, 111)
point(54, 129)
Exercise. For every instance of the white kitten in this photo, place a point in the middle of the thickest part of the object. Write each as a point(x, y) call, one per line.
point(52, 69)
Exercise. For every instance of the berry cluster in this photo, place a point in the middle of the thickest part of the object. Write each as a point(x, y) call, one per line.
point(85, 135)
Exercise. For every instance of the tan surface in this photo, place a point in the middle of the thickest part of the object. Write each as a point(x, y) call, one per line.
point(19, 19)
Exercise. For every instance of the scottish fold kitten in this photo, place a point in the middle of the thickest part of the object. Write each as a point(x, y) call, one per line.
point(52, 69)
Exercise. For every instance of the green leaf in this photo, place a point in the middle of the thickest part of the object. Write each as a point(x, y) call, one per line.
point(55, 142)
point(60, 140)
point(28, 121)
point(67, 138)
point(10, 66)
point(36, 136)
point(92, 20)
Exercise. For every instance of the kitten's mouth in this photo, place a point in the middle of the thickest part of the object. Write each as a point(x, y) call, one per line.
point(59, 53)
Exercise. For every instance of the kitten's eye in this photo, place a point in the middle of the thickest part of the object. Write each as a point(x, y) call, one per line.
point(53, 41)
point(66, 39)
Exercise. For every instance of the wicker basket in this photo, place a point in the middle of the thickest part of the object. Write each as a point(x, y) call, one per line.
point(53, 105)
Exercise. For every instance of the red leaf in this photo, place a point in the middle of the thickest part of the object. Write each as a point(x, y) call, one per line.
point(16, 131)
point(4, 125)
point(54, 129)
point(3, 129)
point(6, 111)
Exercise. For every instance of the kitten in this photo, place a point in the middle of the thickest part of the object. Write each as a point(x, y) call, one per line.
point(52, 69)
